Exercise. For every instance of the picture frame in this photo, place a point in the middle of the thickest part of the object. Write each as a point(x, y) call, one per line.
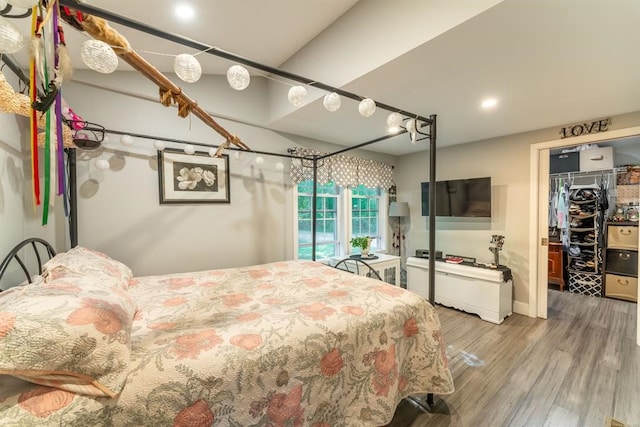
point(192, 178)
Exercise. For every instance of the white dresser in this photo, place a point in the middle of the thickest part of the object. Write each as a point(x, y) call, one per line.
point(478, 290)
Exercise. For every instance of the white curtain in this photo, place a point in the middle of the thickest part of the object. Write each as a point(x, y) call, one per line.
point(344, 171)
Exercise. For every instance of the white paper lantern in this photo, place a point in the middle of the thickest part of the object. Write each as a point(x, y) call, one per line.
point(98, 56)
point(393, 121)
point(297, 95)
point(238, 77)
point(24, 4)
point(212, 152)
point(11, 41)
point(411, 125)
point(367, 107)
point(187, 68)
point(3, 4)
point(279, 166)
point(189, 149)
point(259, 160)
point(332, 102)
point(102, 164)
point(126, 140)
point(159, 145)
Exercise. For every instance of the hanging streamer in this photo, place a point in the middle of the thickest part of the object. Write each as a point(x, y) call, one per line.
point(58, 41)
point(47, 140)
point(33, 117)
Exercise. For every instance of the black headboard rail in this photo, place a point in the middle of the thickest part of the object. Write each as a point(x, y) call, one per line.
point(34, 242)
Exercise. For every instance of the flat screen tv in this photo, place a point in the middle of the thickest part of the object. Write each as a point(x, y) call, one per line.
point(460, 198)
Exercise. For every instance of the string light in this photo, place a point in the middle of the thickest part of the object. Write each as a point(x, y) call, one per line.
point(187, 68)
point(159, 145)
point(393, 121)
point(98, 56)
point(297, 95)
point(238, 77)
point(102, 164)
point(332, 102)
point(126, 140)
point(367, 107)
point(189, 149)
point(11, 41)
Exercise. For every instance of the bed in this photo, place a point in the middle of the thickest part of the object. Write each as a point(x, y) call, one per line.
point(288, 343)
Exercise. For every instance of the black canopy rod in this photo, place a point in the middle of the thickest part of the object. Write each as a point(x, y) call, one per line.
point(6, 58)
point(185, 41)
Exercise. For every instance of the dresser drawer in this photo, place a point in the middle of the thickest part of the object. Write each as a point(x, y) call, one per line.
point(621, 287)
point(622, 237)
point(622, 261)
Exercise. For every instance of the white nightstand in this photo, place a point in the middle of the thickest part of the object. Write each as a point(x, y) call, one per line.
point(387, 266)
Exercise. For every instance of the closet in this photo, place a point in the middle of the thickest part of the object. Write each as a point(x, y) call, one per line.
point(593, 231)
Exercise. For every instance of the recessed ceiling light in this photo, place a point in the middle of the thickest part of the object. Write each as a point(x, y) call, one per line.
point(489, 103)
point(184, 11)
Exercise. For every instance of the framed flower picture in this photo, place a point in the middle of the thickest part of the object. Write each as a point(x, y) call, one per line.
point(193, 178)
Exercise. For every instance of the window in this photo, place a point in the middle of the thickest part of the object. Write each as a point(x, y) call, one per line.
point(341, 213)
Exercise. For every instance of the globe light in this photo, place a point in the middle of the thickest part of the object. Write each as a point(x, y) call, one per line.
point(98, 56)
point(11, 41)
point(187, 68)
point(23, 4)
point(367, 107)
point(238, 77)
point(159, 145)
point(212, 152)
point(102, 164)
point(297, 95)
point(259, 160)
point(126, 140)
point(279, 166)
point(411, 125)
point(332, 102)
point(393, 121)
point(189, 149)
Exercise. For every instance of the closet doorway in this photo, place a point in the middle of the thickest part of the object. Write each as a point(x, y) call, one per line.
point(538, 227)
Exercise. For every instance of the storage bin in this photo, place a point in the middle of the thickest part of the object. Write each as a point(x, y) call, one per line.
point(564, 162)
point(596, 159)
point(622, 287)
point(622, 261)
point(585, 283)
point(622, 237)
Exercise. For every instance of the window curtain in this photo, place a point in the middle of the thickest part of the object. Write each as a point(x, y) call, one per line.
point(344, 171)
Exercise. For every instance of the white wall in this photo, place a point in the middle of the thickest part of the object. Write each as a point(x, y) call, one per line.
point(119, 210)
point(506, 161)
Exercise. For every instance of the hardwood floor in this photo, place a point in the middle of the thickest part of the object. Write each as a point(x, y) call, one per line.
point(577, 368)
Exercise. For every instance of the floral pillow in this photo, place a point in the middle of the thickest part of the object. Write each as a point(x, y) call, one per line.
point(84, 261)
point(70, 333)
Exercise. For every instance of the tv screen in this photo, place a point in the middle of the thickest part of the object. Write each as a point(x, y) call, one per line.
point(460, 198)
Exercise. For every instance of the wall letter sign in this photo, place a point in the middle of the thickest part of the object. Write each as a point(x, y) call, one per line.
point(595, 126)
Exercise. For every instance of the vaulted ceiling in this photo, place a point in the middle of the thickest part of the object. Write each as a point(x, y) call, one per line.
point(546, 62)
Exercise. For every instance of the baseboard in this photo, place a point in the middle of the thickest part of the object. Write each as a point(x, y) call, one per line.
point(521, 308)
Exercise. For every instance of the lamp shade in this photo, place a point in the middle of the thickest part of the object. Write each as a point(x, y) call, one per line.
point(399, 209)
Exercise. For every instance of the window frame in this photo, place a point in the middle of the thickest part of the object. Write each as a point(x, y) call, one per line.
point(344, 219)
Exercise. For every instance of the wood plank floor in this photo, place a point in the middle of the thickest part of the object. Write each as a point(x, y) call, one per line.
point(577, 368)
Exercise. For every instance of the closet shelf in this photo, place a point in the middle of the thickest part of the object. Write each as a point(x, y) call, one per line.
point(582, 216)
point(581, 230)
point(583, 202)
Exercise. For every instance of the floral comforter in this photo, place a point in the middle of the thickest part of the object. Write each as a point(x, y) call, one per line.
point(291, 343)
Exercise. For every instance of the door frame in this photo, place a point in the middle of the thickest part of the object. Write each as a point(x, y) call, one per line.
point(538, 182)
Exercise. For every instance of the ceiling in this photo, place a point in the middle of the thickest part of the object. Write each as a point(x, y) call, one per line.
point(549, 63)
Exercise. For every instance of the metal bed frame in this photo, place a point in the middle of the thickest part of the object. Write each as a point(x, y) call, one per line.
point(42, 250)
point(429, 122)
